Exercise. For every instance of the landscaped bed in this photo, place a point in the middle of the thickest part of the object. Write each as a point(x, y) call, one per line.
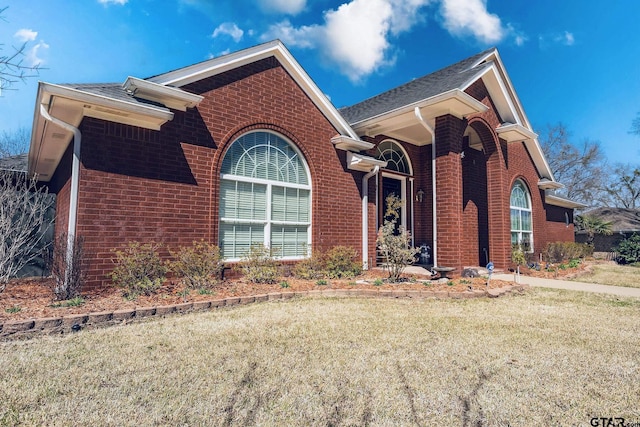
point(26, 299)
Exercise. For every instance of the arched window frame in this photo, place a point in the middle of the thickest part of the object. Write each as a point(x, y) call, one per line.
point(395, 148)
point(521, 215)
point(262, 207)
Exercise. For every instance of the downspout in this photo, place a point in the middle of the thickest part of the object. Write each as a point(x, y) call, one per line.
point(75, 178)
point(365, 216)
point(433, 183)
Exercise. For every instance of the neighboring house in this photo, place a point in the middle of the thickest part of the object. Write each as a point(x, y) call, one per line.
point(624, 223)
point(245, 148)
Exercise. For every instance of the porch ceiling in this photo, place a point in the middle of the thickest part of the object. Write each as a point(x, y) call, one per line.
point(403, 124)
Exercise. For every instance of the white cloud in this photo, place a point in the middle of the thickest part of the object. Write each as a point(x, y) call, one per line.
point(566, 39)
point(107, 2)
point(26, 35)
point(32, 55)
point(229, 29)
point(356, 36)
point(462, 17)
point(289, 7)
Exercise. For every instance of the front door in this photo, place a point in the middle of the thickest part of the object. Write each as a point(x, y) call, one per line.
point(392, 186)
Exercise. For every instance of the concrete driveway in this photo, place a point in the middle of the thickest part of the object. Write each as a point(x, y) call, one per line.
point(572, 286)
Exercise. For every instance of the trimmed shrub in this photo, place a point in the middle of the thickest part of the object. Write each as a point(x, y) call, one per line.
point(629, 250)
point(341, 262)
point(559, 251)
point(311, 268)
point(198, 266)
point(259, 265)
point(138, 269)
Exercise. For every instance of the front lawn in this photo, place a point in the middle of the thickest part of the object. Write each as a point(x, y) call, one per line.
point(611, 274)
point(546, 358)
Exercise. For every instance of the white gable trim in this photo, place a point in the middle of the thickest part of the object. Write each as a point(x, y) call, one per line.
point(212, 67)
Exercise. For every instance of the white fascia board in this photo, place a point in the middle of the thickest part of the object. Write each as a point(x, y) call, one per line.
point(363, 163)
point(466, 99)
point(550, 199)
point(169, 96)
point(346, 143)
point(232, 61)
point(50, 89)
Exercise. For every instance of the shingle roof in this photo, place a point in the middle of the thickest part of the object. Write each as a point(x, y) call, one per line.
point(621, 219)
point(448, 78)
point(14, 163)
point(113, 91)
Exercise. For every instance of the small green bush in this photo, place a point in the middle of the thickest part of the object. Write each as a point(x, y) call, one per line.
point(378, 282)
point(73, 302)
point(321, 282)
point(629, 250)
point(198, 266)
point(259, 265)
point(138, 269)
point(284, 284)
point(311, 268)
point(341, 262)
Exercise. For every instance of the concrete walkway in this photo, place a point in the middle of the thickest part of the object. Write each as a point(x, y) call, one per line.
point(572, 286)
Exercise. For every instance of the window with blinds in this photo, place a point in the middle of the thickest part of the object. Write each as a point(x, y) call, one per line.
point(265, 197)
point(521, 220)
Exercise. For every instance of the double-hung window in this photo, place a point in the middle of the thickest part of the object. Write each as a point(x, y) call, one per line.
point(265, 197)
point(521, 224)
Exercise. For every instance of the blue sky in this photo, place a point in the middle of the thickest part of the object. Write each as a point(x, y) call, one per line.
point(570, 61)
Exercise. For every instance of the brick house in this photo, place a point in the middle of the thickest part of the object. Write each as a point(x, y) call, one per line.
point(245, 148)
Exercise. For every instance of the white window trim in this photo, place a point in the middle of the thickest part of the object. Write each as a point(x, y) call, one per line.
point(521, 209)
point(267, 222)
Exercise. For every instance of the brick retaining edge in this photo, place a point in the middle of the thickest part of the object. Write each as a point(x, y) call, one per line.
point(75, 322)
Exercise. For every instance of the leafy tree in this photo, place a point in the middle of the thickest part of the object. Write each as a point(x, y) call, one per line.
point(593, 225)
point(579, 167)
point(12, 67)
point(629, 250)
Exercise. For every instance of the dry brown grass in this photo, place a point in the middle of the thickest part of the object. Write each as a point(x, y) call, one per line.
point(546, 358)
point(612, 274)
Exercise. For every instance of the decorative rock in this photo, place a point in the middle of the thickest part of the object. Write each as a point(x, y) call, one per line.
point(74, 319)
point(262, 298)
point(124, 314)
point(247, 300)
point(47, 323)
point(100, 317)
point(184, 307)
point(145, 311)
point(470, 273)
point(217, 303)
point(232, 301)
point(201, 305)
point(274, 296)
point(165, 309)
point(15, 326)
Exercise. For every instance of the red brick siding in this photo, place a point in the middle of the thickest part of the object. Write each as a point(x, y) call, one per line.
point(144, 185)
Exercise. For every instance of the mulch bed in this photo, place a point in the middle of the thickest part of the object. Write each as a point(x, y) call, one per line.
point(29, 298)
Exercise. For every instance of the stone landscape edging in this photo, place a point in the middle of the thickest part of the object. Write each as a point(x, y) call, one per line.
point(75, 322)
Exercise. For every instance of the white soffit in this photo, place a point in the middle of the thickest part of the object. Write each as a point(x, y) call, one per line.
point(402, 123)
point(49, 141)
point(363, 163)
point(169, 96)
point(547, 184)
point(215, 66)
point(349, 144)
point(511, 132)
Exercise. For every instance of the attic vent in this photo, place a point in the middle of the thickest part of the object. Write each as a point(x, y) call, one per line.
point(57, 135)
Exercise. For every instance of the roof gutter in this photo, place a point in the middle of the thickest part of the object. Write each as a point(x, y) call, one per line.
point(424, 123)
point(75, 179)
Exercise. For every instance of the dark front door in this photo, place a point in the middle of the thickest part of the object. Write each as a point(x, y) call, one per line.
point(391, 186)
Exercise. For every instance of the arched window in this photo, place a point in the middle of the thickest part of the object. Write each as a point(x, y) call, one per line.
point(265, 197)
point(521, 223)
point(391, 152)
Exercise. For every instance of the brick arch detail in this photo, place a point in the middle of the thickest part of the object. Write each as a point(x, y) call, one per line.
point(497, 192)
